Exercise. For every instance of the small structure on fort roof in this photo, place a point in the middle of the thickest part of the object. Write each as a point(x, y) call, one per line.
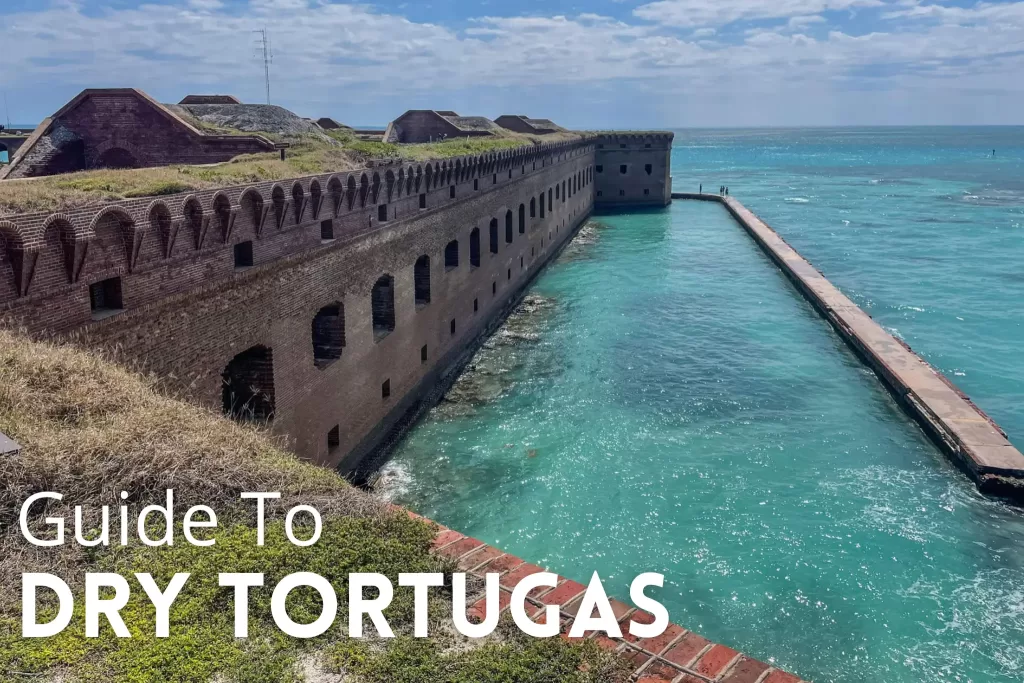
point(126, 128)
point(520, 123)
point(328, 123)
point(429, 125)
point(210, 99)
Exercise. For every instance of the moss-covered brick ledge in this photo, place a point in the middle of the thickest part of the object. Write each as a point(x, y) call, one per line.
point(676, 656)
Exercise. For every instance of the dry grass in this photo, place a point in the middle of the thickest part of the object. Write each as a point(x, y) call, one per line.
point(305, 157)
point(89, 429)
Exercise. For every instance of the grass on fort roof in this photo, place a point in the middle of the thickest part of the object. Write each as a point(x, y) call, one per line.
point(304, 157)
point(90, 429)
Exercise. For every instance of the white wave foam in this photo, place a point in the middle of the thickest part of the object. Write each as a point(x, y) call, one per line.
point(797, 200)
point(393, 481)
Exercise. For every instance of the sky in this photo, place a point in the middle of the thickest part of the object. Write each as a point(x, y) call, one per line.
point(583, 63)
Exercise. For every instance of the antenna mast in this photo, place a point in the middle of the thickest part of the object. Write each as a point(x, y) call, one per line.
point(264, 50)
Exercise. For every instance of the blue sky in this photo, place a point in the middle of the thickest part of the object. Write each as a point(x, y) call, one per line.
point(584, 63)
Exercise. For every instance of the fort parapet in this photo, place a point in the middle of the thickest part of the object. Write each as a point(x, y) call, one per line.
point(336, 306)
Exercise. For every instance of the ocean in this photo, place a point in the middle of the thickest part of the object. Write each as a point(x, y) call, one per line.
point(667, 402)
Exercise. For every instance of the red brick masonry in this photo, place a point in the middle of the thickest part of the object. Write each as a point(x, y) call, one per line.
point(676, 656)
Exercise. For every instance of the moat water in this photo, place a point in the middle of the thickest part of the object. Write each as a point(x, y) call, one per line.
point(668, 402)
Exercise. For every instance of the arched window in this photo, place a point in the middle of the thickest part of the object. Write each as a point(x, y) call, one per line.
point(494, 235)
point(383, 306)
point(522, 219)
point(542, 205)
point(533, 207)
point(248, 385)
point(328, 334)
point(451, 255)
point(421, 281)
point(474, 248)
point(508, 227)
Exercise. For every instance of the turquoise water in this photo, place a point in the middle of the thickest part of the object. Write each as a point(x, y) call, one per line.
point(679, 408)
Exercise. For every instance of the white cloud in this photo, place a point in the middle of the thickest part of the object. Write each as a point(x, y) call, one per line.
point(687, 13)
point(804, 21)
point(331, 53)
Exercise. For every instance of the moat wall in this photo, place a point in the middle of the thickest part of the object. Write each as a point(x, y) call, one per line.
point(300, 323)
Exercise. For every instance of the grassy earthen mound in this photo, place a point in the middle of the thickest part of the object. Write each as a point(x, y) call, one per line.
point(90, 429)
point(325, 152)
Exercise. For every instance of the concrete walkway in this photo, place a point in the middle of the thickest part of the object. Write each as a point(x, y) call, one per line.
point(965, 433)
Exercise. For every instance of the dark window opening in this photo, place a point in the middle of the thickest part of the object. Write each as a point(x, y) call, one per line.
point(508, 227)
point(622, 169)
point(494, 287)
point(423, 354)
point(622, 193)
point(328, 334)
point(451, 192)
point(382, 212)
point(542, 205)
point(247, 389)
point(556, 192)
point(520, 262)
point(510, 174)
point(333, 439)
point(551, 205)
point(421, 280)
point(476, 305)
point(451, 255)
point(382, 302)
point(648, 145)
point(600, 168)
point(533, 207)
point(646, 191)
point(599, 193)
point(494, 235)
point(509, 273)
point(243, 254)
point(105, 296)
point(452, 327)
point(648, 168)
point(476, 183)
point(474, 248)
point(495, 180)
point(385, 389)
point(327, 230)
point(423, 201)
point(522, 219)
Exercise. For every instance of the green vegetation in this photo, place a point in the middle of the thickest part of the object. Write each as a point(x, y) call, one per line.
point(90, 429)
point(306, 156)
point(516, 658)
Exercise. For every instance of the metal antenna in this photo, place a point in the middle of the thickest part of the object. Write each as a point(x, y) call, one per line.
point(264, 50)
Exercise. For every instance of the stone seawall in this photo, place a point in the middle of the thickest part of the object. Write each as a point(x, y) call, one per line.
point(676, 656)
point(965, 433)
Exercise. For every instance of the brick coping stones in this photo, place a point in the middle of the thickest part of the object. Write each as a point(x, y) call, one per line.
point(676, 656)
point(962, 430)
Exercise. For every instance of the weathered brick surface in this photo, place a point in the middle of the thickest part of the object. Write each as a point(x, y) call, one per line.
point(123, 126)
point(633, 168)
point(188, 311)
